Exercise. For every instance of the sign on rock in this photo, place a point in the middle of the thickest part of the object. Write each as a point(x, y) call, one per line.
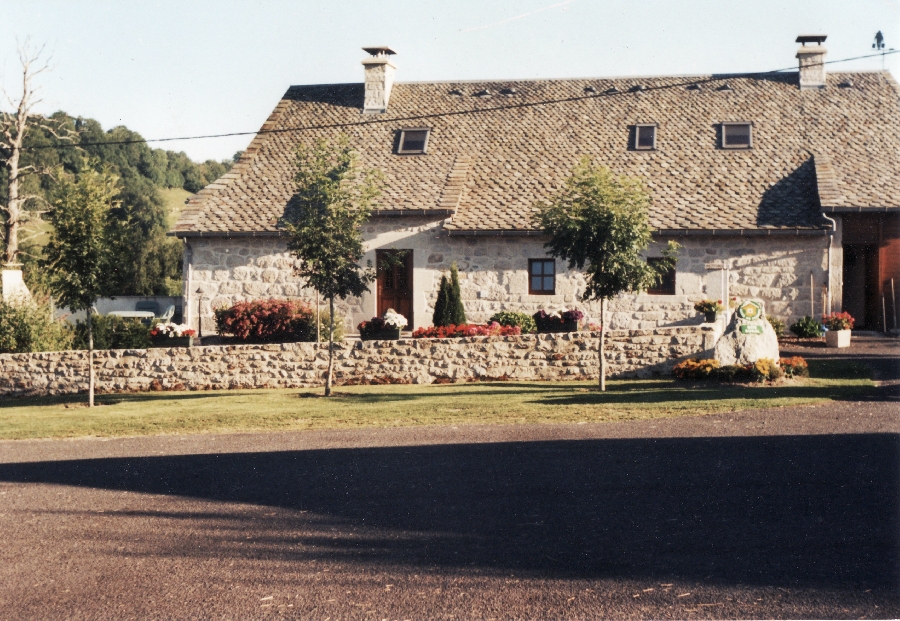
point(748, 336)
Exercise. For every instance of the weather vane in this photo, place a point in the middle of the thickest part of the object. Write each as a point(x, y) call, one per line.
point(879, 45)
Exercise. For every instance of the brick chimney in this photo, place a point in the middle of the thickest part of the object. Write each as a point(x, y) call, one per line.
point(379, 72)
point(812, 59)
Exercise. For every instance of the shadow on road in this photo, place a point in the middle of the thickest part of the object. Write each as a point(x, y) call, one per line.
point(817, 511)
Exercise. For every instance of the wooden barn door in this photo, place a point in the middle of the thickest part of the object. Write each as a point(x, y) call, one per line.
point(395, 278)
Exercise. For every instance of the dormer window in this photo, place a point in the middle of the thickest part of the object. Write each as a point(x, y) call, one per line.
point(645, 137)
point(413, 140)
point(737, 136)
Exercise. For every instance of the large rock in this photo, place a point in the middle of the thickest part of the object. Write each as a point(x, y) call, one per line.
point(748, 336)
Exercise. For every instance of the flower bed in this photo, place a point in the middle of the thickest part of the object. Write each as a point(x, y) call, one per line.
point(559, 321)
point(172, 335)
point(385, 328)
point(452, 331)
point(762, 370)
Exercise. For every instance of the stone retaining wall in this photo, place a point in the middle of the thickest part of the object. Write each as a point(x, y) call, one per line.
point(545, 357)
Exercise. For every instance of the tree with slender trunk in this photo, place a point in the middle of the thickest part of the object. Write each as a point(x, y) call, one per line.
point(77, 254)
point(21, 207)
point(324, 225)
point(598, 223)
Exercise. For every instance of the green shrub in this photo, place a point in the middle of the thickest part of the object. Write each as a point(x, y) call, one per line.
point(111, 332)
point(733, 373)
point(339, 328)
point(511, 318)
point(807, 328)
point(777, 325)
point(29, 327)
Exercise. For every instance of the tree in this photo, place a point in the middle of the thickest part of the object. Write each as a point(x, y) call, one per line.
point(78, 253)
point(456, 309)
point(598, 223)
point(14, 127)
point(333, 200)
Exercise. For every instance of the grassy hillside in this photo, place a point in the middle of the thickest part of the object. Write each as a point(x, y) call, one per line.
point(174, 199)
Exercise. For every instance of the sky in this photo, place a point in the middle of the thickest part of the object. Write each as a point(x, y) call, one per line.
point(185, 68)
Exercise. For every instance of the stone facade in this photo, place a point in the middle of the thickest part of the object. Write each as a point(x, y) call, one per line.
point(494, 275)
point(573, 356)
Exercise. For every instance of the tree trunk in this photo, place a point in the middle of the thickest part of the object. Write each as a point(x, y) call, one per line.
point(330, 346)
point(90, 327)
point(13, 205)
point(602, 351)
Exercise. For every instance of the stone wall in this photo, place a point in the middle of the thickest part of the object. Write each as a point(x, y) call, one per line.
point(494, 275)
point(573, 356)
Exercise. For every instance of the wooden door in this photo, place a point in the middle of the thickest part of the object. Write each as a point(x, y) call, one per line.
point(395, 278)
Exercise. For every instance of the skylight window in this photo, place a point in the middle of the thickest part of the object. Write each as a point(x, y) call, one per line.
point(645, 137)
point(737, 136)
point(413, 140)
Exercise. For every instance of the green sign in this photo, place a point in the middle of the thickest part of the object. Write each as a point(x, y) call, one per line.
point(751, 328)
point(750, 310)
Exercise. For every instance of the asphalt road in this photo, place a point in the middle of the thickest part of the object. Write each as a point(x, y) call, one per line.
point(772, 513)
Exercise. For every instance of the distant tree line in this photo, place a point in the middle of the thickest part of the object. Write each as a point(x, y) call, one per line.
point(148, 262)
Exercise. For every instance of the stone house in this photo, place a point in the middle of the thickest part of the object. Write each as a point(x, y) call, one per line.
point(782, 186)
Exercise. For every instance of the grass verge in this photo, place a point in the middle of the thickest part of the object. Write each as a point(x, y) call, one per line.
point(394, 406)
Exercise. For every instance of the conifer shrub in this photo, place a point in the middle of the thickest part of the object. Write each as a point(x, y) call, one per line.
point(457, 310)
point(441, 316)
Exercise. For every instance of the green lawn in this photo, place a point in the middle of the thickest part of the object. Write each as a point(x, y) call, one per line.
point(393, 406)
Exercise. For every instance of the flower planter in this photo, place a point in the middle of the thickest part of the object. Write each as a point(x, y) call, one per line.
point(710, 317)
point(174, 341)
point(558, 326)
point(381, 335)
point(837, 338)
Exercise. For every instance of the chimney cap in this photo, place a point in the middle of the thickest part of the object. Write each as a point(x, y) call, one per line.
point(379, 50)
point(804, 39)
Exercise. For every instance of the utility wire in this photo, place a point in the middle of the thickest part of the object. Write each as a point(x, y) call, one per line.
point(421, 117)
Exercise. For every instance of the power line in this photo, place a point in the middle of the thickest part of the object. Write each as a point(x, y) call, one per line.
point(421, 117)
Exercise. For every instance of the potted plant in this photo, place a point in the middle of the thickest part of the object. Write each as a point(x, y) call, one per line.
point(710, 309)
point(386, 328)
point(172, 335)
point(837, 326)
point(558, 321)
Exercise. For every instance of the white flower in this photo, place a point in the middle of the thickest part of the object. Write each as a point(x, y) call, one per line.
point(173, 330)
point(395, 319)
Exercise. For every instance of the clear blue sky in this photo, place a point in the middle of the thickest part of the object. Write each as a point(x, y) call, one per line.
point(175, 68)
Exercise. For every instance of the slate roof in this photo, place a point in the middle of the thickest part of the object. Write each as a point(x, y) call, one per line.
point(833, 149)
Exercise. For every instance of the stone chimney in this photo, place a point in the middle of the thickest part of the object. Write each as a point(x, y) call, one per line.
point(812, 59)
point(379, 72)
